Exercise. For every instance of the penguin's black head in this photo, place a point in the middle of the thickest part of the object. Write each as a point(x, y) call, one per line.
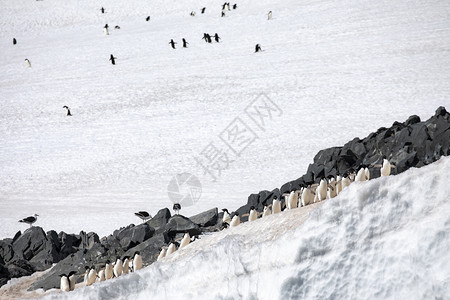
point(107, 261)
point(86, 268)
point(137, 253)
point(62, 275)
point(72, 273)
point(275, 197)
point(93, 267)
point(345, 175)
point(225, 210)
point(236, 214)
point(252, 207)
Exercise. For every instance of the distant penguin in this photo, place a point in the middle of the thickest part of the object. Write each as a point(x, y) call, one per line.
point(113, 59)
point(266, 211)
point(64, 284)
point(137, 261)
point(226, 216)
point(72, 280)
point(386, 168)
point(14, 41)
point(172, 43)
point(186, 240)
point(176, 208)
point(345, 182)
point(109, 272)
point(338, 184)
point(92, 276)
point(253, 214)
point(86, 274)
point(367, 172)
point(269, 15)
point(147, 19)
point(102, 10)
point(126, 265)
point(162, 254)
point(258, 48)
point(171, 249)
point(27, 61)
point(106, 29)
point(217, 38)
point(276, 205)
point(307, 196)
point(322, 190)
point(193, 13)
point(234, 6)
point(236, 220)
point(203, 10)
point(292, 200)
point(223, 14)
point(101, 275)
point(117, 27)
point(118, 267)
point(361, 175)
point(185, 43)
point(68, 110)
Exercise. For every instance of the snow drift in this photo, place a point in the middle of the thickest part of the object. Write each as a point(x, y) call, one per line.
point(383, 239)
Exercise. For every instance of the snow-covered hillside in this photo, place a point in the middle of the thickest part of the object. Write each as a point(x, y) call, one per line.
point(383, 239)
point(335, 71)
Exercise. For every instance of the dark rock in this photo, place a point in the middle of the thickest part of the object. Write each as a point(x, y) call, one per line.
point(159, 221)
point(6, 251)
point(16, 236)
point(19, 267)
point(207, 218)
point(180, 224)
point(441, 111)
point(30, 243)
point(88, 240)
point(149, 249)
point(412, 120)
point(69, 243)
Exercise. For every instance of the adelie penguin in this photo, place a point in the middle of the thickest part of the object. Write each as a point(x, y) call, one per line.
point(217, 38)
point(112, 59)
point(176, 208)
point(172, 43)
point(269, 15)
point(106, 29)
point(137, 261)
point(253, 215)
point(192, 13)
point(234, 6)
point(203, 10)
point(27, 61)
point(14, 41)
point(147, 19)
point(258, 48)
point(68, 110)
point(102, 10)
point(185, 43)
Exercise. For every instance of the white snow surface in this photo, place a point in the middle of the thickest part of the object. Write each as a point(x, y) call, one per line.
point(383, 239)
point(336, 70)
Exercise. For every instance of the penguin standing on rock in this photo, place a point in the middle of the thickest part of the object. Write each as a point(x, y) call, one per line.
point(226, 216)
point(185, 43)
point(176, 208)
point(27, 61)
point(68, 110)
point(113, 59)
point(172, 43)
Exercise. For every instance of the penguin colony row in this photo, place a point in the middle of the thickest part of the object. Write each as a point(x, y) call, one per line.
point(109, 271)
point(206, 37)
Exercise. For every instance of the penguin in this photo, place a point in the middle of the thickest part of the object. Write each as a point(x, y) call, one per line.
point(113, 59)
point(27, 61)
point(101, 275)
point(126, 265)
point(86, 274)
point(105, 29)
point(224, 6)
point(338, 184)
point(226, 216)
point(276, 205)
point(171, 249)
point(217, 38)
point(185, 43)
point(172, 43)
point(307, 196)
point(269, 15)
point(292, 200)
point(91, 276)
point(223, 14)
point(331, 193)
point(147, 19)
point(236, 220)
point(258, 48)
point(72, 280)
point(117, 27)
point(386, 168)
point(345, 182)
point(266, 211)
point(102, 10)
point(192, 13)
point(137, 261)
point(322, 190)
point(203, 10)
point(361, 175)
point(367, 172)
point(186, 240)
point(227, 6)
point(253, 214)
point(162, 254)
point(14, 41)
point(234, 6)
point(68, 110)
point(64, 284)
point(109, 272)
point(176, 206)
point(118, 267)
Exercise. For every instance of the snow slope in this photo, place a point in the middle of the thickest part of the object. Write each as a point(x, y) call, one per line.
point(383, 239)
point(335, 70)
